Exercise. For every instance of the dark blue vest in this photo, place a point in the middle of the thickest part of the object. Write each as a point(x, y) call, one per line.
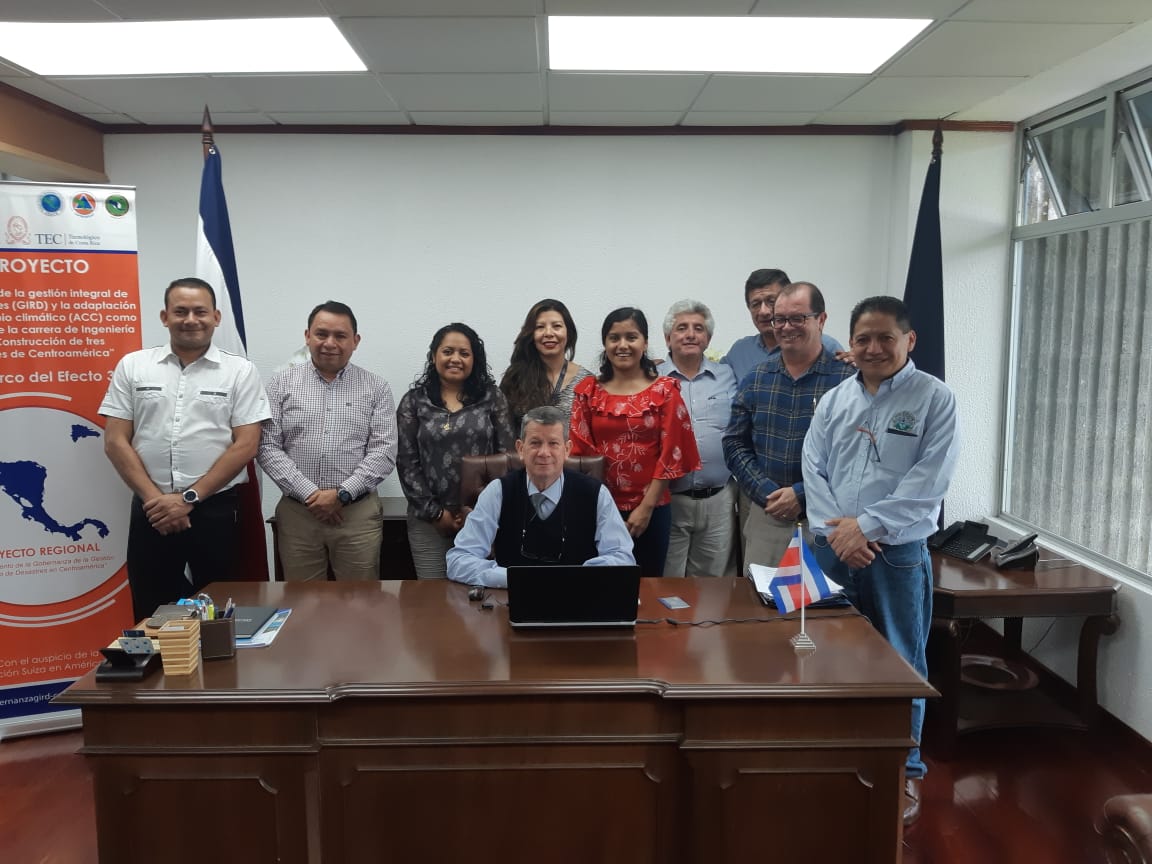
point(568, 536)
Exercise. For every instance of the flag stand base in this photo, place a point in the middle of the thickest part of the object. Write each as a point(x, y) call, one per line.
point(802, 642)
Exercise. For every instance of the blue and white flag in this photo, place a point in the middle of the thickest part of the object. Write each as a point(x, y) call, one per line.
point(216, 265)
point(216, 258)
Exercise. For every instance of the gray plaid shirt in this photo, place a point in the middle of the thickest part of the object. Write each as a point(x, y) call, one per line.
point(328, 434)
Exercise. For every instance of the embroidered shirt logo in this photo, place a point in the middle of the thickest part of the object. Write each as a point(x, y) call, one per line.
point(903, 423)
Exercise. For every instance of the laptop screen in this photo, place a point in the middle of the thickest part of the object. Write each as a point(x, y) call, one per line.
point(573, 596)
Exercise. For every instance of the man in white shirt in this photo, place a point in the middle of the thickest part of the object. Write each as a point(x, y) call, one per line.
point(541, 514)
point(183, 421)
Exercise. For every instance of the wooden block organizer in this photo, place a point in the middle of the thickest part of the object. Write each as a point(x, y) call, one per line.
point(180, 646)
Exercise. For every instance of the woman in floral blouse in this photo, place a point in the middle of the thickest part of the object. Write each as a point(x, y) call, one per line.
point(637, 421)
point(454, 409)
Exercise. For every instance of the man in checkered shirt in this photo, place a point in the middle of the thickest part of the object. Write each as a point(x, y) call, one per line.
point(330, 442)
point(771, 412)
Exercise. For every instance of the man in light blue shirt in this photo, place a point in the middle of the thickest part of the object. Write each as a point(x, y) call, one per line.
point(760, 292)
point(877, 460)
point(704, 501)
point(539, 514)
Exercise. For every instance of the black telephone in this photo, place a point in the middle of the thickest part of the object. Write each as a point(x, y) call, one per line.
point(969, 541)
point(1021, 555)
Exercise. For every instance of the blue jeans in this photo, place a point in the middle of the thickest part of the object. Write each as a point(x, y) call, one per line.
point(650, 549)
point(895, 593)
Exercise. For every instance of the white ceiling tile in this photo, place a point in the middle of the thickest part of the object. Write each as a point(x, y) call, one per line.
point(742, 93)
point(57, 95)
point(1071, 11)
point(964, 48)
point(466, 92)
point(180, 10)
point(860, 118)
point(220, 119)
point(56, 10)
point(646, 7)
point(424, 8)
point(478, 118)
point(858, 8)
point(931, 97)
point(748, 118)
point(341, 118)
point(614, 118)
point(358, 92)
point(1095, 68)
point(154, 94)
point(444, 44)
point(114, 119)
point(588, 91)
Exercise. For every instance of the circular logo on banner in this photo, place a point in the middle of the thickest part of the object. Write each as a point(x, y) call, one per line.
point(16, 231)
point(63, 508)
point(83, 204)
point(117, 205)
point(50, 204)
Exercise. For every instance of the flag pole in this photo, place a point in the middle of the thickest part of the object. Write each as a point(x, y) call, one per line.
point(207, 133)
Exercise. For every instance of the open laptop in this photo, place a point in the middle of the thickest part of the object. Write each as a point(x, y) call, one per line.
point(573, 596)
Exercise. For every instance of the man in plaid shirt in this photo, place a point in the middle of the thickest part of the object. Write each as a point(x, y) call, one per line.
point(770, 415)
point(330, 441)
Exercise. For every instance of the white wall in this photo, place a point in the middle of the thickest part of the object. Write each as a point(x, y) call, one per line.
point(414, 232)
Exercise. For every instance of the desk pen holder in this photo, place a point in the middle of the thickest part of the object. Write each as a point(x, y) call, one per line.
point(218, 639)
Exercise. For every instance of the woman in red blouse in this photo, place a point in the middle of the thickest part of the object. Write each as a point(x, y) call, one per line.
point(637, 421)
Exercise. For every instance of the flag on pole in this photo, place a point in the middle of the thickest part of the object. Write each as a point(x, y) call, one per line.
point(924, 289)
point(216, 265)
point(799, 579)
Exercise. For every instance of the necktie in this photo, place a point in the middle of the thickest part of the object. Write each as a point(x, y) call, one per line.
point(538, 499)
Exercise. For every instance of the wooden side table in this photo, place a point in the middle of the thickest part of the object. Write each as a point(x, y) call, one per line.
point(1055, 589)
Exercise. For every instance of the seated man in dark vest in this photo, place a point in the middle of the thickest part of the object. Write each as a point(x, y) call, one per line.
point(541, 514)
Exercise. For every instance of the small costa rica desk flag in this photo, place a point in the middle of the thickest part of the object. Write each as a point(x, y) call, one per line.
point(798, 582)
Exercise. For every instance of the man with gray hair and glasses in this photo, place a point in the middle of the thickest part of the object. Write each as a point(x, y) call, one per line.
point(704, 501)
point(542, 513)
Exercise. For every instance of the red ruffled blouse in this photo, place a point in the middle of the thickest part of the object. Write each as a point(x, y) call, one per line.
point(643, 436)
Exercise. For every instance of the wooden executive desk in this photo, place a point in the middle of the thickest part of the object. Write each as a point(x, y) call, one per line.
point(396, 721)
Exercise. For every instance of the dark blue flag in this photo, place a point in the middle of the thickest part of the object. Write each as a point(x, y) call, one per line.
point(924, 290)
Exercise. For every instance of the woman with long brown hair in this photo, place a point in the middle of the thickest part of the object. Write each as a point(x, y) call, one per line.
point(542, 371)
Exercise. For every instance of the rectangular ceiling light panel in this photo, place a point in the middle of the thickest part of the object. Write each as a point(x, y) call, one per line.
point(179, 47)
point(738, 44)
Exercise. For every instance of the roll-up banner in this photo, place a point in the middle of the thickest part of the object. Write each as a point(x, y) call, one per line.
point(69, 310)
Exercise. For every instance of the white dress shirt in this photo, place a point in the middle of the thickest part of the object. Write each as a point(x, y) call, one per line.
point(183, 416)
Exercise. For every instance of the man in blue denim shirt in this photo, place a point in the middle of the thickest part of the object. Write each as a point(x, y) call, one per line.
point(878, 458)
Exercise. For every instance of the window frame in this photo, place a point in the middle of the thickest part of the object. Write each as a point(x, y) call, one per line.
point(1116, 98)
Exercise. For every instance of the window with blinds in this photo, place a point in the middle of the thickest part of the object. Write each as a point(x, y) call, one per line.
point(1079, 424)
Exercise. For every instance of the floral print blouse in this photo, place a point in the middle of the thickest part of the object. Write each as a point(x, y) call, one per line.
point(643, 436)
point(433, 439)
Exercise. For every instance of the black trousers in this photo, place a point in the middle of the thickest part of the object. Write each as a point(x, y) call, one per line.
point(156, 562)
